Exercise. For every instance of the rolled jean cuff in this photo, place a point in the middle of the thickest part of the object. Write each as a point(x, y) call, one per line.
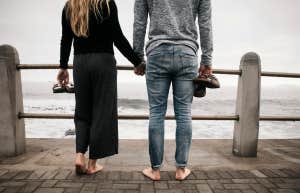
point(157, 167)
point(181, 165)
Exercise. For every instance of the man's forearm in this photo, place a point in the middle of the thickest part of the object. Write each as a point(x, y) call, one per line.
point(140, 26)
point(205, 28)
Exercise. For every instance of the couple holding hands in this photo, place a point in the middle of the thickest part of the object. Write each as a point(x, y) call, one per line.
point(92, 26)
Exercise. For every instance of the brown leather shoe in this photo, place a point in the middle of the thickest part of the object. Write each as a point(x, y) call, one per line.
point(210, 81)
point(200, 91)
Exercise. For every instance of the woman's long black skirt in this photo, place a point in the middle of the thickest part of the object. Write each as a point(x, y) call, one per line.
point(96, 113)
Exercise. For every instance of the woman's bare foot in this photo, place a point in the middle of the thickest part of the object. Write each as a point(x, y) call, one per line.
point(182, 173)
point(94, 167)
point(80, 166)
point(152, 174)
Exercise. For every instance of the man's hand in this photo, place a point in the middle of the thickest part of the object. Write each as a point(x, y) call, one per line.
point(63, 76)
point(205, 71)
point(140, 69)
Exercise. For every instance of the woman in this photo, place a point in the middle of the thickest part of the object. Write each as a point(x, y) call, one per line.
point(93, 27)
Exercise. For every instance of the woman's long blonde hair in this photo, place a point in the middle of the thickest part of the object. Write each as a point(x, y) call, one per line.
point(78, 13)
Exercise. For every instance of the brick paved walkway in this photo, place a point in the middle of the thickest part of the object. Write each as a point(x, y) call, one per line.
point(211, 181)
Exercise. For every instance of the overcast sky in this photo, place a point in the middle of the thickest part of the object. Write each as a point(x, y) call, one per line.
point(269, 27)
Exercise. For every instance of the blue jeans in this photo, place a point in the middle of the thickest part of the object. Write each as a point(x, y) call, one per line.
point(166, 64)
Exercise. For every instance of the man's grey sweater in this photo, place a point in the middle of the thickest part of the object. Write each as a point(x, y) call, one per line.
point(173, 21)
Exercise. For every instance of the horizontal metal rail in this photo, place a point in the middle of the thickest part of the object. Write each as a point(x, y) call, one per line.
point(56, 66)
point(216, 71)
point(125, 117)
point(169, 117)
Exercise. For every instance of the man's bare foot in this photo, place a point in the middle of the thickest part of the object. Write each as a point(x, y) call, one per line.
point(94, 167)
point(80, 166)
point(182, 173)
point(152, 174)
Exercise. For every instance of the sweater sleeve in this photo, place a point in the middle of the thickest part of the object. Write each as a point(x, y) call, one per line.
point(120, 40)
point(205, 28)
point(140, 26)
point(66, 41)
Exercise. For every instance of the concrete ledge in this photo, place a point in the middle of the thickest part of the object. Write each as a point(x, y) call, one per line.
point(52, 154)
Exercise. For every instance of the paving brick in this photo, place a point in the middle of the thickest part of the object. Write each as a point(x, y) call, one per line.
point(105, 185)
point(189, 182)
point(290, 172)
point(131, 191)
point(126, 175)
point(49, 175)
point(3, 172)
point(213, 175)
point(191, 191)
point(259, 188)
point(269, 173)
point(9, 175)
point(72, 190)
point(146, 188)
point(287, 185)
point(12, 190)
point(237, 186)
point(49, 190)
point(266, 183)
point(276, 180)
point(248, 191)
point(23, 175)
point(30, 187)
point(114, 175)
point(183, 186)
point(109, 191)
point(279, 173)
point(165, 175)
point(62, 184)
point(100, 176)
point(204, 188)
point(89, 188)
point(161, 185)
point(235, 174)
point(138, 176)
point(125, 186)
point(62, 175)
point(225, 181)
point(283, 191)
point(227, 191)
point(244, 181)
point(49, 183)
point(36, 175)
point(258, 174)
point(74, 176)
point(170, 191)
point(247, 174)
point(290, 180)
point(224, 174)
point(12, 184)
point(200, 175)
point(215, 184)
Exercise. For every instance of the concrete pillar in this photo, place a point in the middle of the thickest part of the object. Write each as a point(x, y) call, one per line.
point(248, 107)
point(12, 129)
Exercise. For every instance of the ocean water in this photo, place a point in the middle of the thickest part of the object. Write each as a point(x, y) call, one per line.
point(281, 100)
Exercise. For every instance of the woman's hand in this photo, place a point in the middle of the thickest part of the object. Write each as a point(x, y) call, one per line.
point(63, 76)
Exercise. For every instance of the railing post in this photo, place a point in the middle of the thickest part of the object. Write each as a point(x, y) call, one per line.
point(248, 107)
point(12, 129)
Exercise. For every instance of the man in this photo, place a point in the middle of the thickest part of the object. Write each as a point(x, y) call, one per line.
point(172, 58)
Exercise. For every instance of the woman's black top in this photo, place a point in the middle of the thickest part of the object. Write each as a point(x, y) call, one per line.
point(104, 31)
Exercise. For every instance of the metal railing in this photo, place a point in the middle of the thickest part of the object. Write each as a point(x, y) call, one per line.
point(168, 117)
point(246, 119)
